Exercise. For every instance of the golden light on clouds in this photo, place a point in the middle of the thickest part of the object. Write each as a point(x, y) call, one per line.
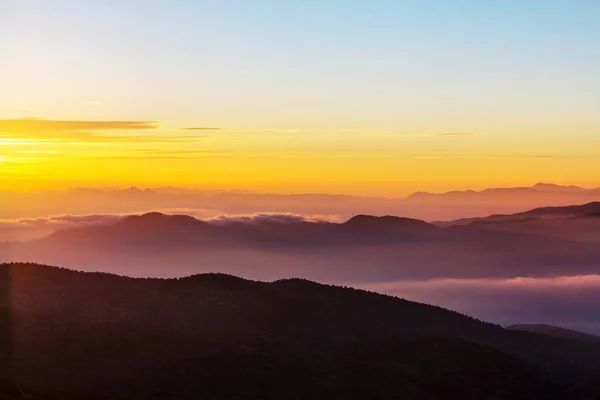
point(286, 159)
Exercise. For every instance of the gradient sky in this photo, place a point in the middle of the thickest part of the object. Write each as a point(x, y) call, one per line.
point(362, 97)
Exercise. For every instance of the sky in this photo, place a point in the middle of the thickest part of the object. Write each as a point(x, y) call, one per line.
point(359, 97)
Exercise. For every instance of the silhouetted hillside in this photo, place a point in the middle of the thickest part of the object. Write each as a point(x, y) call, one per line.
point(388, 222)
point(182, 230)
point(71, 335)
point(387, 227)
point(536, 213)
point(362, 249)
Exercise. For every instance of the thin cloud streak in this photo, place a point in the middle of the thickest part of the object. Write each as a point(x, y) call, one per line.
point(486, 157)
point(280, 130)
point(268, 217)
point(156, 154)
point(23, 125)
point(203, 129)
point(27, 131)
point(419, 135)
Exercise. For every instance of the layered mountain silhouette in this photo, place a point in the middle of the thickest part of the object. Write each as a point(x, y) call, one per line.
point(541, 242)
point(73, 335)
point(589, 209)
point(425, 206)
point(184, 229)
point(538, 190)
point(176, 230)
point(364, 228)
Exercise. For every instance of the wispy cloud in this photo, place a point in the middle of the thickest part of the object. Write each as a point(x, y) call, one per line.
point(159, 154)
point(278, 130)
point(266, 217)
point(204, 129)
point(314, 156)
point(25, 229)
point(45, 125)
point(492, 157)
point(453, 134)
point(419, 135)
point(33, 131)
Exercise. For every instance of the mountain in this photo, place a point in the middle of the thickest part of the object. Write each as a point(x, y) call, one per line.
point(147, 229)
point(362, 249)
point(389, 224)
point(550, 187)
point(73, 335)
point(539, 190)
point(536, 213)
point(179, 230)
point(421, 205)
point(556, 331)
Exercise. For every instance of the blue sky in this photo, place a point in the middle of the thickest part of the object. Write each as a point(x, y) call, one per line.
point(307, 55)
point(523, 76)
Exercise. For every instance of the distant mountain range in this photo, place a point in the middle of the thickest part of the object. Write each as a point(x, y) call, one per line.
point(184, 229)
point(590, 209)
point(537, 189)
point(389, 254)
point(180, 230)
point(540, 242)
point(71, 335)
point(422, 205)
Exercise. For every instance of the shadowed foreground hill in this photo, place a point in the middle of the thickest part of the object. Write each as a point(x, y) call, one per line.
point(74, 335)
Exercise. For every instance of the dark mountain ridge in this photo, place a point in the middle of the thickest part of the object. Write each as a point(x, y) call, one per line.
point(536, 213)
point(181, 230)
point(184, 229)
point(71, 334)
point(362, 248)
point(168, 230)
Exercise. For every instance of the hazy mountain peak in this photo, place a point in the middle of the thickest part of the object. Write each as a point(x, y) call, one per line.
point(555, 212)
point(386, 221)
point(157, 218)
point(555, 187)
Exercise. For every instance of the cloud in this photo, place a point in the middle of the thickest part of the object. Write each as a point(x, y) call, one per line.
point(501, 157)
point(44, 125)
point(58, 221)
point(76, 131)
point(453, 134)
point(424, 135)
point(26, 229)
point(23, 229)
point(266, 217)
point(203, 129)
point(280, 130)
point(315, 156)
point(568, 301)
point(156, 154)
